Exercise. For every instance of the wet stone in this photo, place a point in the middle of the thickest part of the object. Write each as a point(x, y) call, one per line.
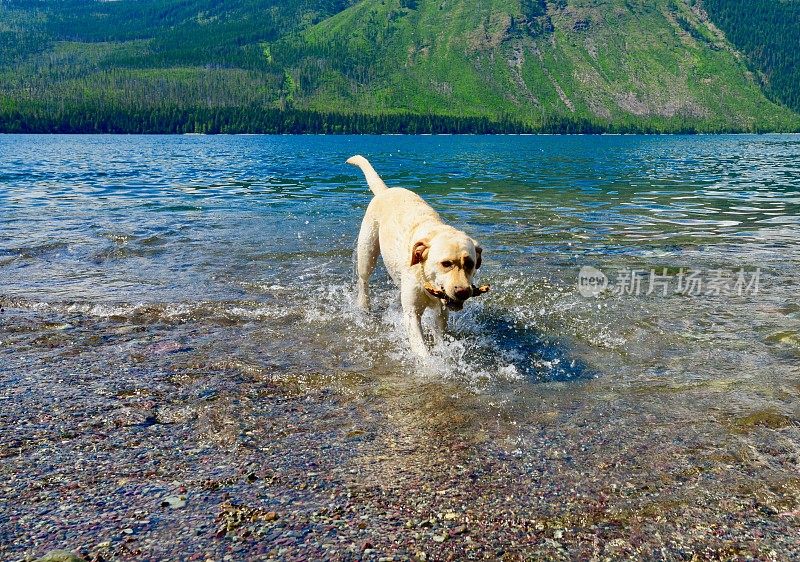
point(60, 556)
point(174, 502)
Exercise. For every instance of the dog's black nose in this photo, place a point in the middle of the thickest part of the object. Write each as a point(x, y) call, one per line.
point(463, 293)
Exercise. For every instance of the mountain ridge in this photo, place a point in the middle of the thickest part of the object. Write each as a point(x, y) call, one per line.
point(377, 66)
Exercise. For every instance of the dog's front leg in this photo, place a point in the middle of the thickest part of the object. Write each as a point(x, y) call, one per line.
point(439, 324)
point(413, 306)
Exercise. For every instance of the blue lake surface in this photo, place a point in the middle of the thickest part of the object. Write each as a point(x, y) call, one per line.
point(266, 225)
point(235, 252)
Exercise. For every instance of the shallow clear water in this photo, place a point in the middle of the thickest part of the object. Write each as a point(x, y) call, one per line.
point(260, 231)
point(191, 253)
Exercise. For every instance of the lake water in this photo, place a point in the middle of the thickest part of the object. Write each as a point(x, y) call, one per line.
point(176, 278)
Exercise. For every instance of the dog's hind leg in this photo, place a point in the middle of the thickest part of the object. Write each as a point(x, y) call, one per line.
point(367, 250)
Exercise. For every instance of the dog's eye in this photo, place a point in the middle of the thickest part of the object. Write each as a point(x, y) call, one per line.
point(447, 264)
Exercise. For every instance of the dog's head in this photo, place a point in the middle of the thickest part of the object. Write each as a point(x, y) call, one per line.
point(449, 260)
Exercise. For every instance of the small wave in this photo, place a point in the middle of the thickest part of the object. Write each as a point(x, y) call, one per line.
point(202, 311)
point(34, 250)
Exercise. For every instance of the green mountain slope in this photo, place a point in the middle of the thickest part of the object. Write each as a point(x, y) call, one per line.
point(71, 57)
point(375, 65)
point(623, 62)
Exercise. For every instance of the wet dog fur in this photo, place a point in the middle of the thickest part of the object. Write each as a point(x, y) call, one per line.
point(418, 249)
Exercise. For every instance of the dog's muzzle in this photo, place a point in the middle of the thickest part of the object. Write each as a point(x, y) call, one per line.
point(451, 303)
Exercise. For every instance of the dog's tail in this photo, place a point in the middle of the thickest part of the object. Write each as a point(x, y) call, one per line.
point(373, 179)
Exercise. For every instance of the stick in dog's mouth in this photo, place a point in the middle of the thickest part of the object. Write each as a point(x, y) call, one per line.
point(454, 304)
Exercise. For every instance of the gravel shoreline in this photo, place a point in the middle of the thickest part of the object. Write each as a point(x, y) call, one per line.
point(120, 443)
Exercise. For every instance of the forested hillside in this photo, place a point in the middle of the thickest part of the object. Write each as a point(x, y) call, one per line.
point(768, 32)
point(393, 66)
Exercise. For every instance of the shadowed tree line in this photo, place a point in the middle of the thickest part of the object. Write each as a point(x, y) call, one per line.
point(232, 120)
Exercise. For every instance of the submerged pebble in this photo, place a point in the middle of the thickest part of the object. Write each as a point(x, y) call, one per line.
point(174, 502)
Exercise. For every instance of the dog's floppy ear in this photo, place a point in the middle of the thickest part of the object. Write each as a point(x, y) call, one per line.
point(420, 252)
point(478, 252)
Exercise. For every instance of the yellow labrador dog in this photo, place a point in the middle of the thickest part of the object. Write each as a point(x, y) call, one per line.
point(431, 262)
